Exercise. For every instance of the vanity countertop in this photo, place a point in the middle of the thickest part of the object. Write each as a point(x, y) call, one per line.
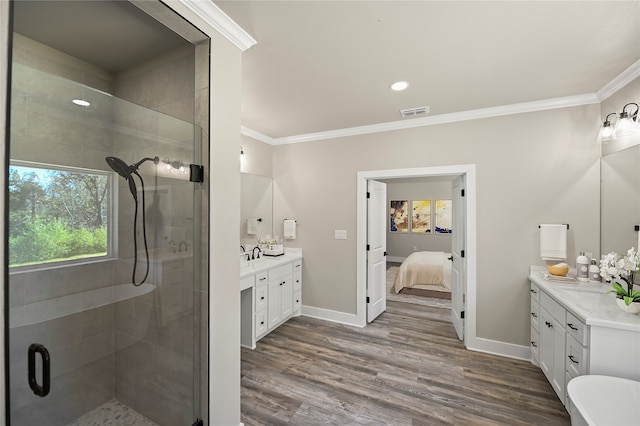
point(588, 301)
point(265, 263)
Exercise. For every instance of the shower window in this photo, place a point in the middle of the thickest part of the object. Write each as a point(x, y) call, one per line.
point(58, 216)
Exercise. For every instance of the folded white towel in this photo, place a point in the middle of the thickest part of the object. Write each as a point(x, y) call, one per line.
point(553, 242)
point(252, 226)
point(289, 229)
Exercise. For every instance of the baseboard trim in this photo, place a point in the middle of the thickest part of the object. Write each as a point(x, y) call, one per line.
point(495, 347)
point(329, 315)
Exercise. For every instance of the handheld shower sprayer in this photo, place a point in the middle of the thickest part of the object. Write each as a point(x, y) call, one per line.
point(127, 172)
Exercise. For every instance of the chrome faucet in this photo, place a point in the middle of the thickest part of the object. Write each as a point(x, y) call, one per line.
point(253, 253)
point(182, 243)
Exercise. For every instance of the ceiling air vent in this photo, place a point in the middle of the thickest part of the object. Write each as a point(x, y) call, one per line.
point(414, 112)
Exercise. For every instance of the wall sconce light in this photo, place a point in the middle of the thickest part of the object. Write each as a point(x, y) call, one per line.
point(606, 131)
point(176, 164)
point(243, 159)
point(627, 124)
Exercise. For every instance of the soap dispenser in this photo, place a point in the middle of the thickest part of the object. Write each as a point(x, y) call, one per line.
point(582, 267)
point(594, 272)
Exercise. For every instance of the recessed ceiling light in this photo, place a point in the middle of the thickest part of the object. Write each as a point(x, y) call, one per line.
point(399, 86)
point(81, 102)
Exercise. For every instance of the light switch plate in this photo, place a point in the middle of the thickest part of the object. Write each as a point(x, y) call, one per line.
point(341, 234)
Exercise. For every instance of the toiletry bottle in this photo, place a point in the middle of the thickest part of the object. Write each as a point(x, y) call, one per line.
point(594, 272)
point(582, 267)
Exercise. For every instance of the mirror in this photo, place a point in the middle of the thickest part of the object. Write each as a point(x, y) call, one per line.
point(619, 200)
point(256, 204)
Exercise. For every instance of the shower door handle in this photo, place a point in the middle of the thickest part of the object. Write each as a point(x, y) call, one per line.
point(40, 390)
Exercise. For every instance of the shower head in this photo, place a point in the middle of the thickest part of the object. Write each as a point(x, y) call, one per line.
point(121, 168)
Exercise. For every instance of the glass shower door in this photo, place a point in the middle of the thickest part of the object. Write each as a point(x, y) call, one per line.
point(88, 337)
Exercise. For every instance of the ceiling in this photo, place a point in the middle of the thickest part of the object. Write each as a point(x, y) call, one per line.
point(320, 66)
point(113, 35)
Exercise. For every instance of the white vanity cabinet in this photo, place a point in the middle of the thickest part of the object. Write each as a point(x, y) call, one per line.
point(271, 293)
point(576, 329)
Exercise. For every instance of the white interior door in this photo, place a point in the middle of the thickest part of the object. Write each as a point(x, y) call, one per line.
point(458, 272)
point(376, 249)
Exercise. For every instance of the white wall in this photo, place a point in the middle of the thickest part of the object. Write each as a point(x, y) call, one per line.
point(532, 168)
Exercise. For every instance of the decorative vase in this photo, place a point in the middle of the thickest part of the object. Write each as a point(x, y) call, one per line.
point(633, 308)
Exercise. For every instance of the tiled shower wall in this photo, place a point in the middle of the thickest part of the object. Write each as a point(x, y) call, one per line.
point(149, 372)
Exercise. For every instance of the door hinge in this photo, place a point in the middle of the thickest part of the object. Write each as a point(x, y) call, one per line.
point(461, 253)
point(461, 314)
point(368, 247)
point(462, 192)
point(196, 173)
point(198, 423)
point(368, 194)
point(367, 299)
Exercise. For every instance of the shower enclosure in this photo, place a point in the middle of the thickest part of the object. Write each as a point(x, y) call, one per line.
point(91, 335)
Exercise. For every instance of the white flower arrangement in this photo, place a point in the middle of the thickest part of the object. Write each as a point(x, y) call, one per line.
point(614, 269)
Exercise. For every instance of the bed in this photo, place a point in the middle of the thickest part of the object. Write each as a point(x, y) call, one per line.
point(428, 270)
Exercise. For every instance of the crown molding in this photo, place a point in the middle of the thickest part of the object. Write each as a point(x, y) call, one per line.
point(214, 16)
point(564, 102)
point(625, 77)
point(256, 135)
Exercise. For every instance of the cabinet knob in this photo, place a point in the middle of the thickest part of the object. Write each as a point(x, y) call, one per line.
point(261, 322)
point(533, 314)
point(534, 344)
point(262, 298)
point(533, 291)
point(573, 360)
point(572, 327)
point(548, 324)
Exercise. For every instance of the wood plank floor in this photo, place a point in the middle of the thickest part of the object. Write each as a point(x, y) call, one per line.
point(406, 368)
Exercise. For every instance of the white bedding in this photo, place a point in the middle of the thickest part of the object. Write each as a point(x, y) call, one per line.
point(427, 269)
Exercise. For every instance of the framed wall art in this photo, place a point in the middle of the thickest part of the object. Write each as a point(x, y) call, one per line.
point(421, 216)
point(399, 216)
point(443, 217)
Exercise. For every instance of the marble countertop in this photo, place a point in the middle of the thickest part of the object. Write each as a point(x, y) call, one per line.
point(252, 267)
point(587, 301)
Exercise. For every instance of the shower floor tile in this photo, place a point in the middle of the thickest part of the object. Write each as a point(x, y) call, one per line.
point(112, 413)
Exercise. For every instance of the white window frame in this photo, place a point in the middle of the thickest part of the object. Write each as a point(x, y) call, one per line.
point(112, 218)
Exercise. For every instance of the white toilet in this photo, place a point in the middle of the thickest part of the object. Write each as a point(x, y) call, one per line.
point(604, 401)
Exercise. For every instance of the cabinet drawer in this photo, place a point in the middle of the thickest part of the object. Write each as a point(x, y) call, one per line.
point(297, 301)
point(535, 315)
point(297, 281)
point(535, 293)
point(577, 329)
point(576, 362)
point(261, 278)
point(261, 297)
point(261, 323)
point(535, 346)
point(554, 308)
point(280, 271)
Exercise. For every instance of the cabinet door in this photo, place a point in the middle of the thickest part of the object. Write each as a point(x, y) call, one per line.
point(286, 298)
point(552, 349)
point(274, 311)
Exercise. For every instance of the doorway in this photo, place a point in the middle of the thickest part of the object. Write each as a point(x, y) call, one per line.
point(470, 236)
